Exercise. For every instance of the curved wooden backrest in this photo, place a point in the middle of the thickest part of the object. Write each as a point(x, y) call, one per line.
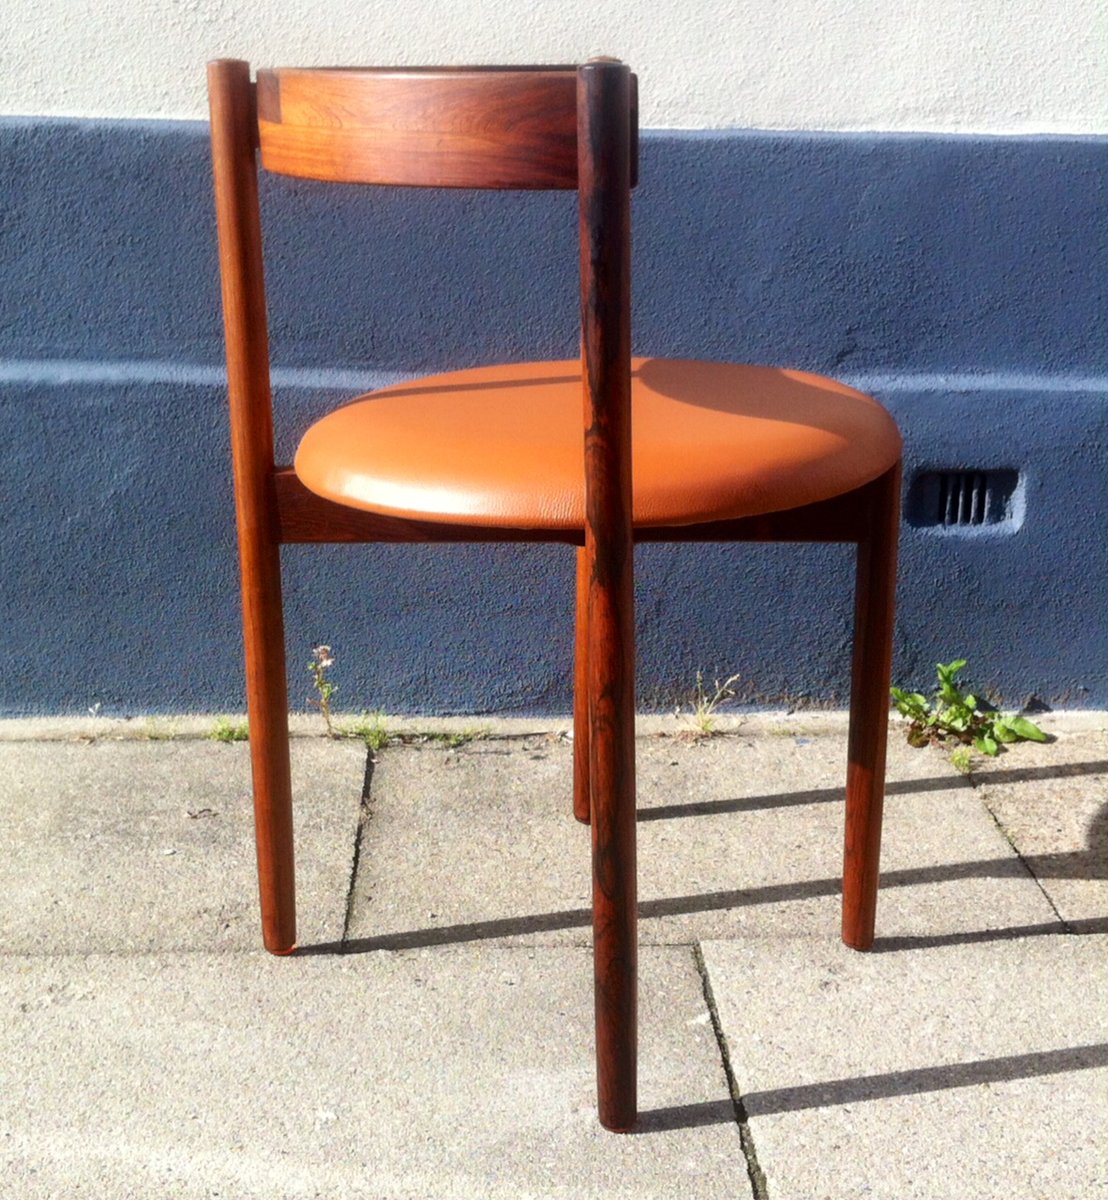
point(465, 127)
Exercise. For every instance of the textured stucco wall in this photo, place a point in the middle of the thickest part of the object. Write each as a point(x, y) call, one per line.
point(960, 279)
point(944, 65)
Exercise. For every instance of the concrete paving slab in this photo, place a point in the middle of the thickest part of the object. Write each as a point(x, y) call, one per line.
point(969, 1071)
point(139, 846)
point(445, 1073)
point(1052, 802)
point(737, 836)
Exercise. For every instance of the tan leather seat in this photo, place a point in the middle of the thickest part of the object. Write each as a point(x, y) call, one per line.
point(503, 445)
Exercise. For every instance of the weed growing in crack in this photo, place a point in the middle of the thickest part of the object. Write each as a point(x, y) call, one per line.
point(460, 737)
point(226, 729)
point(952, 715)
point(319, 664)
point(704, 705)
point(962, 760)
point(370, 728)
point(154, 730)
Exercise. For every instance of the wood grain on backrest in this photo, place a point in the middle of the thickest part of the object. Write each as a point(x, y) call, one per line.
point(430, 127)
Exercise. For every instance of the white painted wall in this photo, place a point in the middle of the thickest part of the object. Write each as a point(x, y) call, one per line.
point(1000, 66)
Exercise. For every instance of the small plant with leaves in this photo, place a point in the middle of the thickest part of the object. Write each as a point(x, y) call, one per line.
point(961, 760)
point(227, 730)
point(154, 730)
point(370, 728)
point(453, 739)
point(952, 715)
point(319, 664)
point(705, 703)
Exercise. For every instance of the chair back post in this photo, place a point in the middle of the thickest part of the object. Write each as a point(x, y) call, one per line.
point(234, 142)
point(604, 151)
point(604, 191)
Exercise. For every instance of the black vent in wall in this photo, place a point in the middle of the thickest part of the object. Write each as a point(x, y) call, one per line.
point(962, 500)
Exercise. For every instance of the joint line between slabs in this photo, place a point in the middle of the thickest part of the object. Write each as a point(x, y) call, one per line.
point(746, 1138)
point(982, 791)
point(364, 814)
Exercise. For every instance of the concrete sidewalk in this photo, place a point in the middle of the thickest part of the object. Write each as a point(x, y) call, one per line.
point(433, 1037)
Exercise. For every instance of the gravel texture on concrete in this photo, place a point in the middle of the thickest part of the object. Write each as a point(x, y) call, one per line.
point(139, 846)
point(1051, 800)
point(152, 1050)
point(431, 1073)
point(737, 836)
point(975, 1070)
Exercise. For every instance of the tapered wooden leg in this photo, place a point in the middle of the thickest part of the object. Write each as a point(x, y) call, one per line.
point(234, 138)
point(581, 692)
point(875, 596)
point(604, 208)
point(612, 784)
point(234, 132)
point(267, 706)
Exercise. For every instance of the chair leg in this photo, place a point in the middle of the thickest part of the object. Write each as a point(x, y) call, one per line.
point(267, 706)
point(612, 786)
point(581, 800)
point(234, 130)
point(875, 596)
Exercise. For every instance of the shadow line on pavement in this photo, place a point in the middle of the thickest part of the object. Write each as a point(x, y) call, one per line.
point(576, 918)
point(878, 1087)
point(898, 787)
point(927, 1079)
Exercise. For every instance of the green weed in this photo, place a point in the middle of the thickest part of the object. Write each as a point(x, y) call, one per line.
point(318, 665)
point(952, 715)
point(962, 760)
point(154, 730)
point(461, 737)
point(703, 705)
point(226, 729)
point(370, 727)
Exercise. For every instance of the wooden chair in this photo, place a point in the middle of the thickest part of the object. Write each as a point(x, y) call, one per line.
point(719, 452)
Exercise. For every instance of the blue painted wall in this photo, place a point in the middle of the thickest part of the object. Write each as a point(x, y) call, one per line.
point(958, 278)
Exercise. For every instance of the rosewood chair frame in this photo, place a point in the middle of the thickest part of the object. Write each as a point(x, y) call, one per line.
point(597, 156)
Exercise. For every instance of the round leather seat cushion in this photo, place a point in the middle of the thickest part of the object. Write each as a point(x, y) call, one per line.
point(504, 445)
